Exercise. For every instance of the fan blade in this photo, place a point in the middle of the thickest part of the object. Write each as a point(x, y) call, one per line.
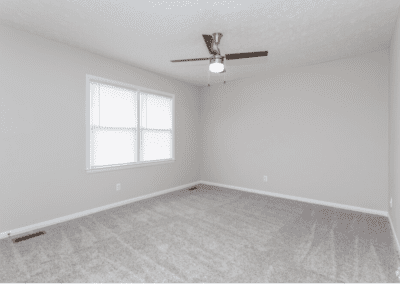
point(246, 55)
point(208, 39)
point(195, 59)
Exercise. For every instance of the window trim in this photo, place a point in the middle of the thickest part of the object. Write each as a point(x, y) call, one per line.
point(90, 78)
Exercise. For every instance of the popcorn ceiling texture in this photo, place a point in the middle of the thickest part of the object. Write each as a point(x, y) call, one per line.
point(150, 34)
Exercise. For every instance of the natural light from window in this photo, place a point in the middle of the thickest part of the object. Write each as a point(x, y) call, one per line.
point(114, 137)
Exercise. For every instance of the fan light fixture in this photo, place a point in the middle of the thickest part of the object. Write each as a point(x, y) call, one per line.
point(216, 65)
point(217, 61)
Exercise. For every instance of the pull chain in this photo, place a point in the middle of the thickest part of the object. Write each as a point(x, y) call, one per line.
point(224, 71)
point(225, 77)
point(208, 72)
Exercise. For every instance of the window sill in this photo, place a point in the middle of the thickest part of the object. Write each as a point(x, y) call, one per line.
point(136, 165)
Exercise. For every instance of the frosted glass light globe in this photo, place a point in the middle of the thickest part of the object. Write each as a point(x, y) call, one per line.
point(216, 67)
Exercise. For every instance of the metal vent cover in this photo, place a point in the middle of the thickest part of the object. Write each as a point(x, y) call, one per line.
point(28, 237)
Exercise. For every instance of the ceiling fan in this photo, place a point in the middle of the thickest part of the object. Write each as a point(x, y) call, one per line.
point(216, 60)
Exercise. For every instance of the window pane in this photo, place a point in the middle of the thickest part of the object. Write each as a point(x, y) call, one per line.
point(156, 112)
point(156, 145)
point(113, 147)
point(94, 103)
point(117, 107)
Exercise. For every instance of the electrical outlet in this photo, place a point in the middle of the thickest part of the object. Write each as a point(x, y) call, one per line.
point(391, 202)
point(265, 178)
point(118, 186)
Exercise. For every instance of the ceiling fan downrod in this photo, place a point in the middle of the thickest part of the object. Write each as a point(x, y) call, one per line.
point(216, 40)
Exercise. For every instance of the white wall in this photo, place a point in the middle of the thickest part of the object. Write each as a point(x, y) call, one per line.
point(42, 132)
point(394, 128)
point(318, 132)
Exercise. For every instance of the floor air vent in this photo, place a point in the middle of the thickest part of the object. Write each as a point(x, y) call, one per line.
point(192, 188)
point(28, 237)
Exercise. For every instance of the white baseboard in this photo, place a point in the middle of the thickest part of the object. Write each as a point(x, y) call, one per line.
point(394, 234)
point(319, 202)
point(90, 211)
point(109, 206)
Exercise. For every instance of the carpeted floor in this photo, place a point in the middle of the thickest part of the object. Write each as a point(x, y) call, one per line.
point(210, 234)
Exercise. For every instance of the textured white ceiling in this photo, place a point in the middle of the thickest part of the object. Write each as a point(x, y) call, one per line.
point(148, 34)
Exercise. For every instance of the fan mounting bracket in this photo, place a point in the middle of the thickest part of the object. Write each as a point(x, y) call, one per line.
point(217, 37)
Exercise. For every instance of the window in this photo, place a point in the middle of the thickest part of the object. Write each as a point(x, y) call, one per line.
point(127, 126)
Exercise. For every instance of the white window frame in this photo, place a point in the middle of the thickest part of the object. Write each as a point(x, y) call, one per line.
point(138, 89)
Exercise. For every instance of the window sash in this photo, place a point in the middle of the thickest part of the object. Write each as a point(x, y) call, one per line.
point(97, 131)
point(139, 160)
point(142, 152)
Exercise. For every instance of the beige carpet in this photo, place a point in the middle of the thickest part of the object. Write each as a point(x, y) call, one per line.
point(210, 234)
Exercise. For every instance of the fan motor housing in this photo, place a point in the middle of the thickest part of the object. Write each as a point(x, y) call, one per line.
point(216, 59)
